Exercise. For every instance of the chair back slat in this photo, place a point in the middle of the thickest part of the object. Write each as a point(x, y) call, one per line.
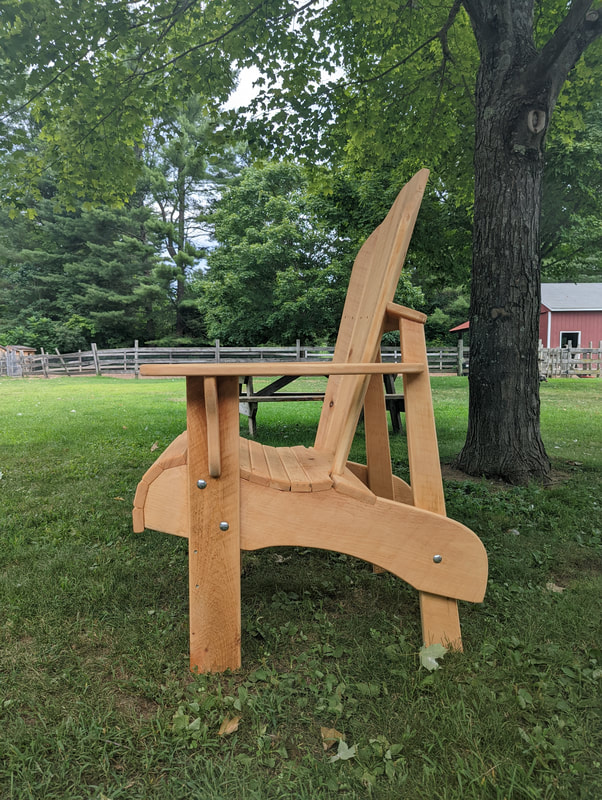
point(372, 285)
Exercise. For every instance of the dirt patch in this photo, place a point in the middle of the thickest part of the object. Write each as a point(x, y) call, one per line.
point(450, 473)
point(136, 707)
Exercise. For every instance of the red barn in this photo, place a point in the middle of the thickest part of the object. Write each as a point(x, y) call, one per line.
point(570, 314)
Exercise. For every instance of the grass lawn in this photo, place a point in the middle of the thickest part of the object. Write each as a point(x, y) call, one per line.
point(96, 698)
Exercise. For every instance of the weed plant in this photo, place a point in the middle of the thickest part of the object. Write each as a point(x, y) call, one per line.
point(96, 697)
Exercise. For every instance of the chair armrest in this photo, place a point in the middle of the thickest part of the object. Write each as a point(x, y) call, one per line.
point(269, 368)
point(396, 312)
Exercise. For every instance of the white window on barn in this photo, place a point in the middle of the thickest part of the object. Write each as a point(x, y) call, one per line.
point(570, 338)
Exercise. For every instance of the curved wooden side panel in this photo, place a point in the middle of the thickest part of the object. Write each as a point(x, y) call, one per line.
point(402, 539)
point(165, 506)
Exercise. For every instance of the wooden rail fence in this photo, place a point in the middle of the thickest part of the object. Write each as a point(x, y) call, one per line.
point(570, 362)
point(566, 362)
point(127, 360)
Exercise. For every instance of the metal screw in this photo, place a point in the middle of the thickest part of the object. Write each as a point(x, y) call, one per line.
point(223, 526)
point(437, 559)
point(201, 484)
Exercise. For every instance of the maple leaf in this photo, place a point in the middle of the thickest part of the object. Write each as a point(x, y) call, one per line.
point(344, 753)
point(429, 655)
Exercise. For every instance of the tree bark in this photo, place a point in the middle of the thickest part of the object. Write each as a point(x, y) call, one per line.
point(504, 438)
point(516, 91)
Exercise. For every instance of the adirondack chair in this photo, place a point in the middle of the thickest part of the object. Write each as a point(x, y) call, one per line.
point(227, 494)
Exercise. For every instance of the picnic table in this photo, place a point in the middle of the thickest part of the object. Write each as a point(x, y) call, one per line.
point(250, 397)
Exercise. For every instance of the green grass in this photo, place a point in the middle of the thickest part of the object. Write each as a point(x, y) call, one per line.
point(97, 700)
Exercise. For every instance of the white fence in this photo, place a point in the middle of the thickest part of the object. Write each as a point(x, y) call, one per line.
point(128, 360)
point(570, 362)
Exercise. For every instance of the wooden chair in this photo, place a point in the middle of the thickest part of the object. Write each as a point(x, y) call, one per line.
point(227, 494)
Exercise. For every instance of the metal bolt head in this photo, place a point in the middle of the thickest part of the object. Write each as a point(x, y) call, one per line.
point(201, 484)
point(223, 526)
point(437, 559)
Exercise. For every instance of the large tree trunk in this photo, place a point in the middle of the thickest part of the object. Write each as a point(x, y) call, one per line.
point(503, 438)
point(517, 89)
point(503, 435)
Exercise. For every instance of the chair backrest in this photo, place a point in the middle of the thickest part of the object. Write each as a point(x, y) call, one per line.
point(372, 286)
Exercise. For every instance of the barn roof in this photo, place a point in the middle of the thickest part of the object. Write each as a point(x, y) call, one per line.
point(572, 296)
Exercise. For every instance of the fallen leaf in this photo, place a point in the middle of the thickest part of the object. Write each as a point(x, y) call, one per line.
point(330, 736)
point(553, 587)
point(118, 498)
point(430, 654)
point(154, 446)
point(344, 753)
point(228, 726)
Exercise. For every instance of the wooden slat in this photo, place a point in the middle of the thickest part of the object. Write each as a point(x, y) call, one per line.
point(175, 453)
point(153, 472)
point(316, 466)
point(142, 491)
point(245, 459)
point(372, 286)
point(292, 397)
point(267, 369)
point(259, 466)
point(395, 312)
point(138, 520)
point(278, 476)
point(378, 451)
point(296, 474)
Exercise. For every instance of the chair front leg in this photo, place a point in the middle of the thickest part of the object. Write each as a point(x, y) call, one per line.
point(214, 523)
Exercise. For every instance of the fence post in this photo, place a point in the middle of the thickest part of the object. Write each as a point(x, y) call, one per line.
point(56, 350)
point(217, 355)
point(136, 365)
point(298, 345)
point(460, 363)
point(95, 357)
point(44, 362)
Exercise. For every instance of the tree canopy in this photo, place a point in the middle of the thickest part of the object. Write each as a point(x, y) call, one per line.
point(379, 88)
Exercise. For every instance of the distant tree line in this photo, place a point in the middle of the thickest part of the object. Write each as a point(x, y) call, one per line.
point(214, 244)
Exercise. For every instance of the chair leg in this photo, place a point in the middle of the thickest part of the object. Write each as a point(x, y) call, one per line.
point(214, 550)
point(440, 619)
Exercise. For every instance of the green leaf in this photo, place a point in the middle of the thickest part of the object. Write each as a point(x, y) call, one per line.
point(344, 753)
point(430, 654)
